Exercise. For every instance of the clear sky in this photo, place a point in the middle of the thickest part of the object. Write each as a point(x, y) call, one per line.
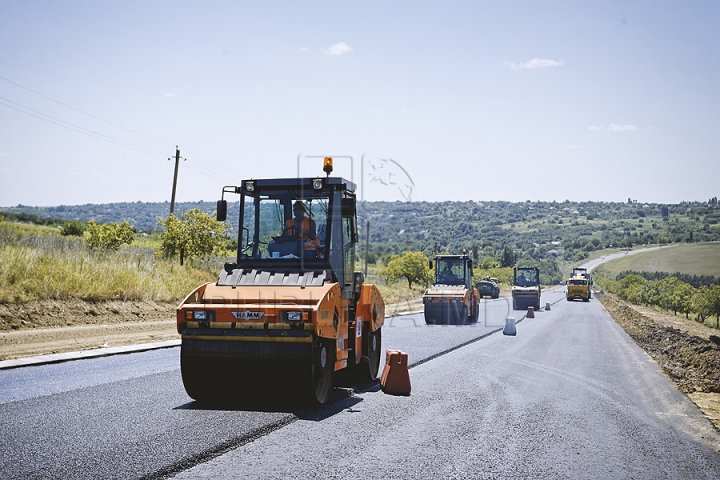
point(418, 100)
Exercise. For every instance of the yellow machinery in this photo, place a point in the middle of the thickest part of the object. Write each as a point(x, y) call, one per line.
point(579, 286)
point(526, 289)
point(291, 308)
point(452, 299)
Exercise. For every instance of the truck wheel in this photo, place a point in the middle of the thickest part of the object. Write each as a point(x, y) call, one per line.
point(322, 369)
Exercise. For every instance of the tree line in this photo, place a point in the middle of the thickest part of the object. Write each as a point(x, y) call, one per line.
point(696, 281)
point(669, 293)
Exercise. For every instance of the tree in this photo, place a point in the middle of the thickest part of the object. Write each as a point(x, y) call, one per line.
point(413, 266)
point(508, 257)
point(74, 228)
point(682, 299)
point(109, 236)
point(195, 234)
point(707, 303)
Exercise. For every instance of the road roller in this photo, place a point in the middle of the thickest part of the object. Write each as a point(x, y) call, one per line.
point(290, 312)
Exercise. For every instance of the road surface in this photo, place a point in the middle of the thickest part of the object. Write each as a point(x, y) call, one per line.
point(570, 396)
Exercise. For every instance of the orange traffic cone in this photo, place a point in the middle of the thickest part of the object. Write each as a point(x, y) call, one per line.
point(531, 312)
point(395, 378)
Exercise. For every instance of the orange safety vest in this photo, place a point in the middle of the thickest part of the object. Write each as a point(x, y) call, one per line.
point(308, 243)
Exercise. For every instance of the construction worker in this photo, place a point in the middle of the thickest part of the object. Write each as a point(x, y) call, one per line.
point(303, 227)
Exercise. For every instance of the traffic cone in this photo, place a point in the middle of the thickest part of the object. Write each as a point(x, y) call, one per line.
point(509, 326)
point(531, 312)
point(395, 378)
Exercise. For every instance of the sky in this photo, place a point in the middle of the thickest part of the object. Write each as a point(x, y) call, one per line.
point(415, 100)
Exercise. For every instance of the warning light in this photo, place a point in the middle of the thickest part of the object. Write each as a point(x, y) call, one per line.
point(328, 165)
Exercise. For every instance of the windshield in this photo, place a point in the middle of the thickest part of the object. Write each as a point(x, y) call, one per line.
point(284, 225)
point(450, 271)
point(526, 278)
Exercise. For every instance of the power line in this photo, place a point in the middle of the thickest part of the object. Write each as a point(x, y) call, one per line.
point(75, 128)
point(84, 112)
point(107, 138)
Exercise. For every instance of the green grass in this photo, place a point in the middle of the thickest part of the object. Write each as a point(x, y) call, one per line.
point(691, 259)
point(36, 265)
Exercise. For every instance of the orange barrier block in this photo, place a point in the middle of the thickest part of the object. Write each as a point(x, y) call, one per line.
point(531, 312)
point(395, 378)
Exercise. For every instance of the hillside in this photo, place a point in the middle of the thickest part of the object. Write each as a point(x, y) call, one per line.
point(537, 231)
point(691, 259)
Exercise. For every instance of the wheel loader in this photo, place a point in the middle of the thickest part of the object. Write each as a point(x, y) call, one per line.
point(290, 312)
point(452, 299)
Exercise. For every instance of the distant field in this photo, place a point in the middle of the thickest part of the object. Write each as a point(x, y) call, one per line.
point(693, 259)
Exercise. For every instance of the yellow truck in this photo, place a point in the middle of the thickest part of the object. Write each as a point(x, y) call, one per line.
point(579, 286)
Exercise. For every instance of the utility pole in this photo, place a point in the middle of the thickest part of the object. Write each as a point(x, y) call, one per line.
point(177, 163)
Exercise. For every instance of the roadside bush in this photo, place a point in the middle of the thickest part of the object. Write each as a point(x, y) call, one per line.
point(74, 228)
point(109, 236)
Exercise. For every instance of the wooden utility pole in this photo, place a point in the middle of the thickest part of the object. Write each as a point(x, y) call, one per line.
point(177, 163)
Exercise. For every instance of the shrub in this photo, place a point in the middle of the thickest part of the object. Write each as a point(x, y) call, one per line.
point(109, 236)
point(74, 228)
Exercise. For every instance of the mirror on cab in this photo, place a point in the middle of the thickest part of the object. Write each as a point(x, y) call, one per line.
point(221, 214)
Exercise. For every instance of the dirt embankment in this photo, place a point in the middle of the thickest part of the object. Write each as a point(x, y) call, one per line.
point(41, 328)
point(45, 327)
point(688, 352)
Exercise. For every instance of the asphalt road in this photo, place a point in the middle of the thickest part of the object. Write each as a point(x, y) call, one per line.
point(570, 396)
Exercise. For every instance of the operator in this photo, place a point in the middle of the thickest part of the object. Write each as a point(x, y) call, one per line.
point(522, 281)
point(303, 227)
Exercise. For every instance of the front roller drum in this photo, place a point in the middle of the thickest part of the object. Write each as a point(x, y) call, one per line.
point(446, 313)
point(228, 371)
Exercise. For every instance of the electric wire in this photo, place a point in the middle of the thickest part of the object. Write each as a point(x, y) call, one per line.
point(84, 112)
point(75, 128)
point(109, 139)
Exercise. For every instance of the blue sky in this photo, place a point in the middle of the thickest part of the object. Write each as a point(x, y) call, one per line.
point(517, 100)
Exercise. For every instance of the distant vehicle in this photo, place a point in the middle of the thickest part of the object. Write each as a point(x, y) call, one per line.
point(526, 289)
point(452, 299)
point(488, 287)
point(579, 285)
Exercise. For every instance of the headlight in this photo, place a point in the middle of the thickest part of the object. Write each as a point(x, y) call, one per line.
point(317, 184)
point(293, 316)
point(200, 315)
point(250, 186)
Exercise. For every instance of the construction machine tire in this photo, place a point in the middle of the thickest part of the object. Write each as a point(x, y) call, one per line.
point(321, 370)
